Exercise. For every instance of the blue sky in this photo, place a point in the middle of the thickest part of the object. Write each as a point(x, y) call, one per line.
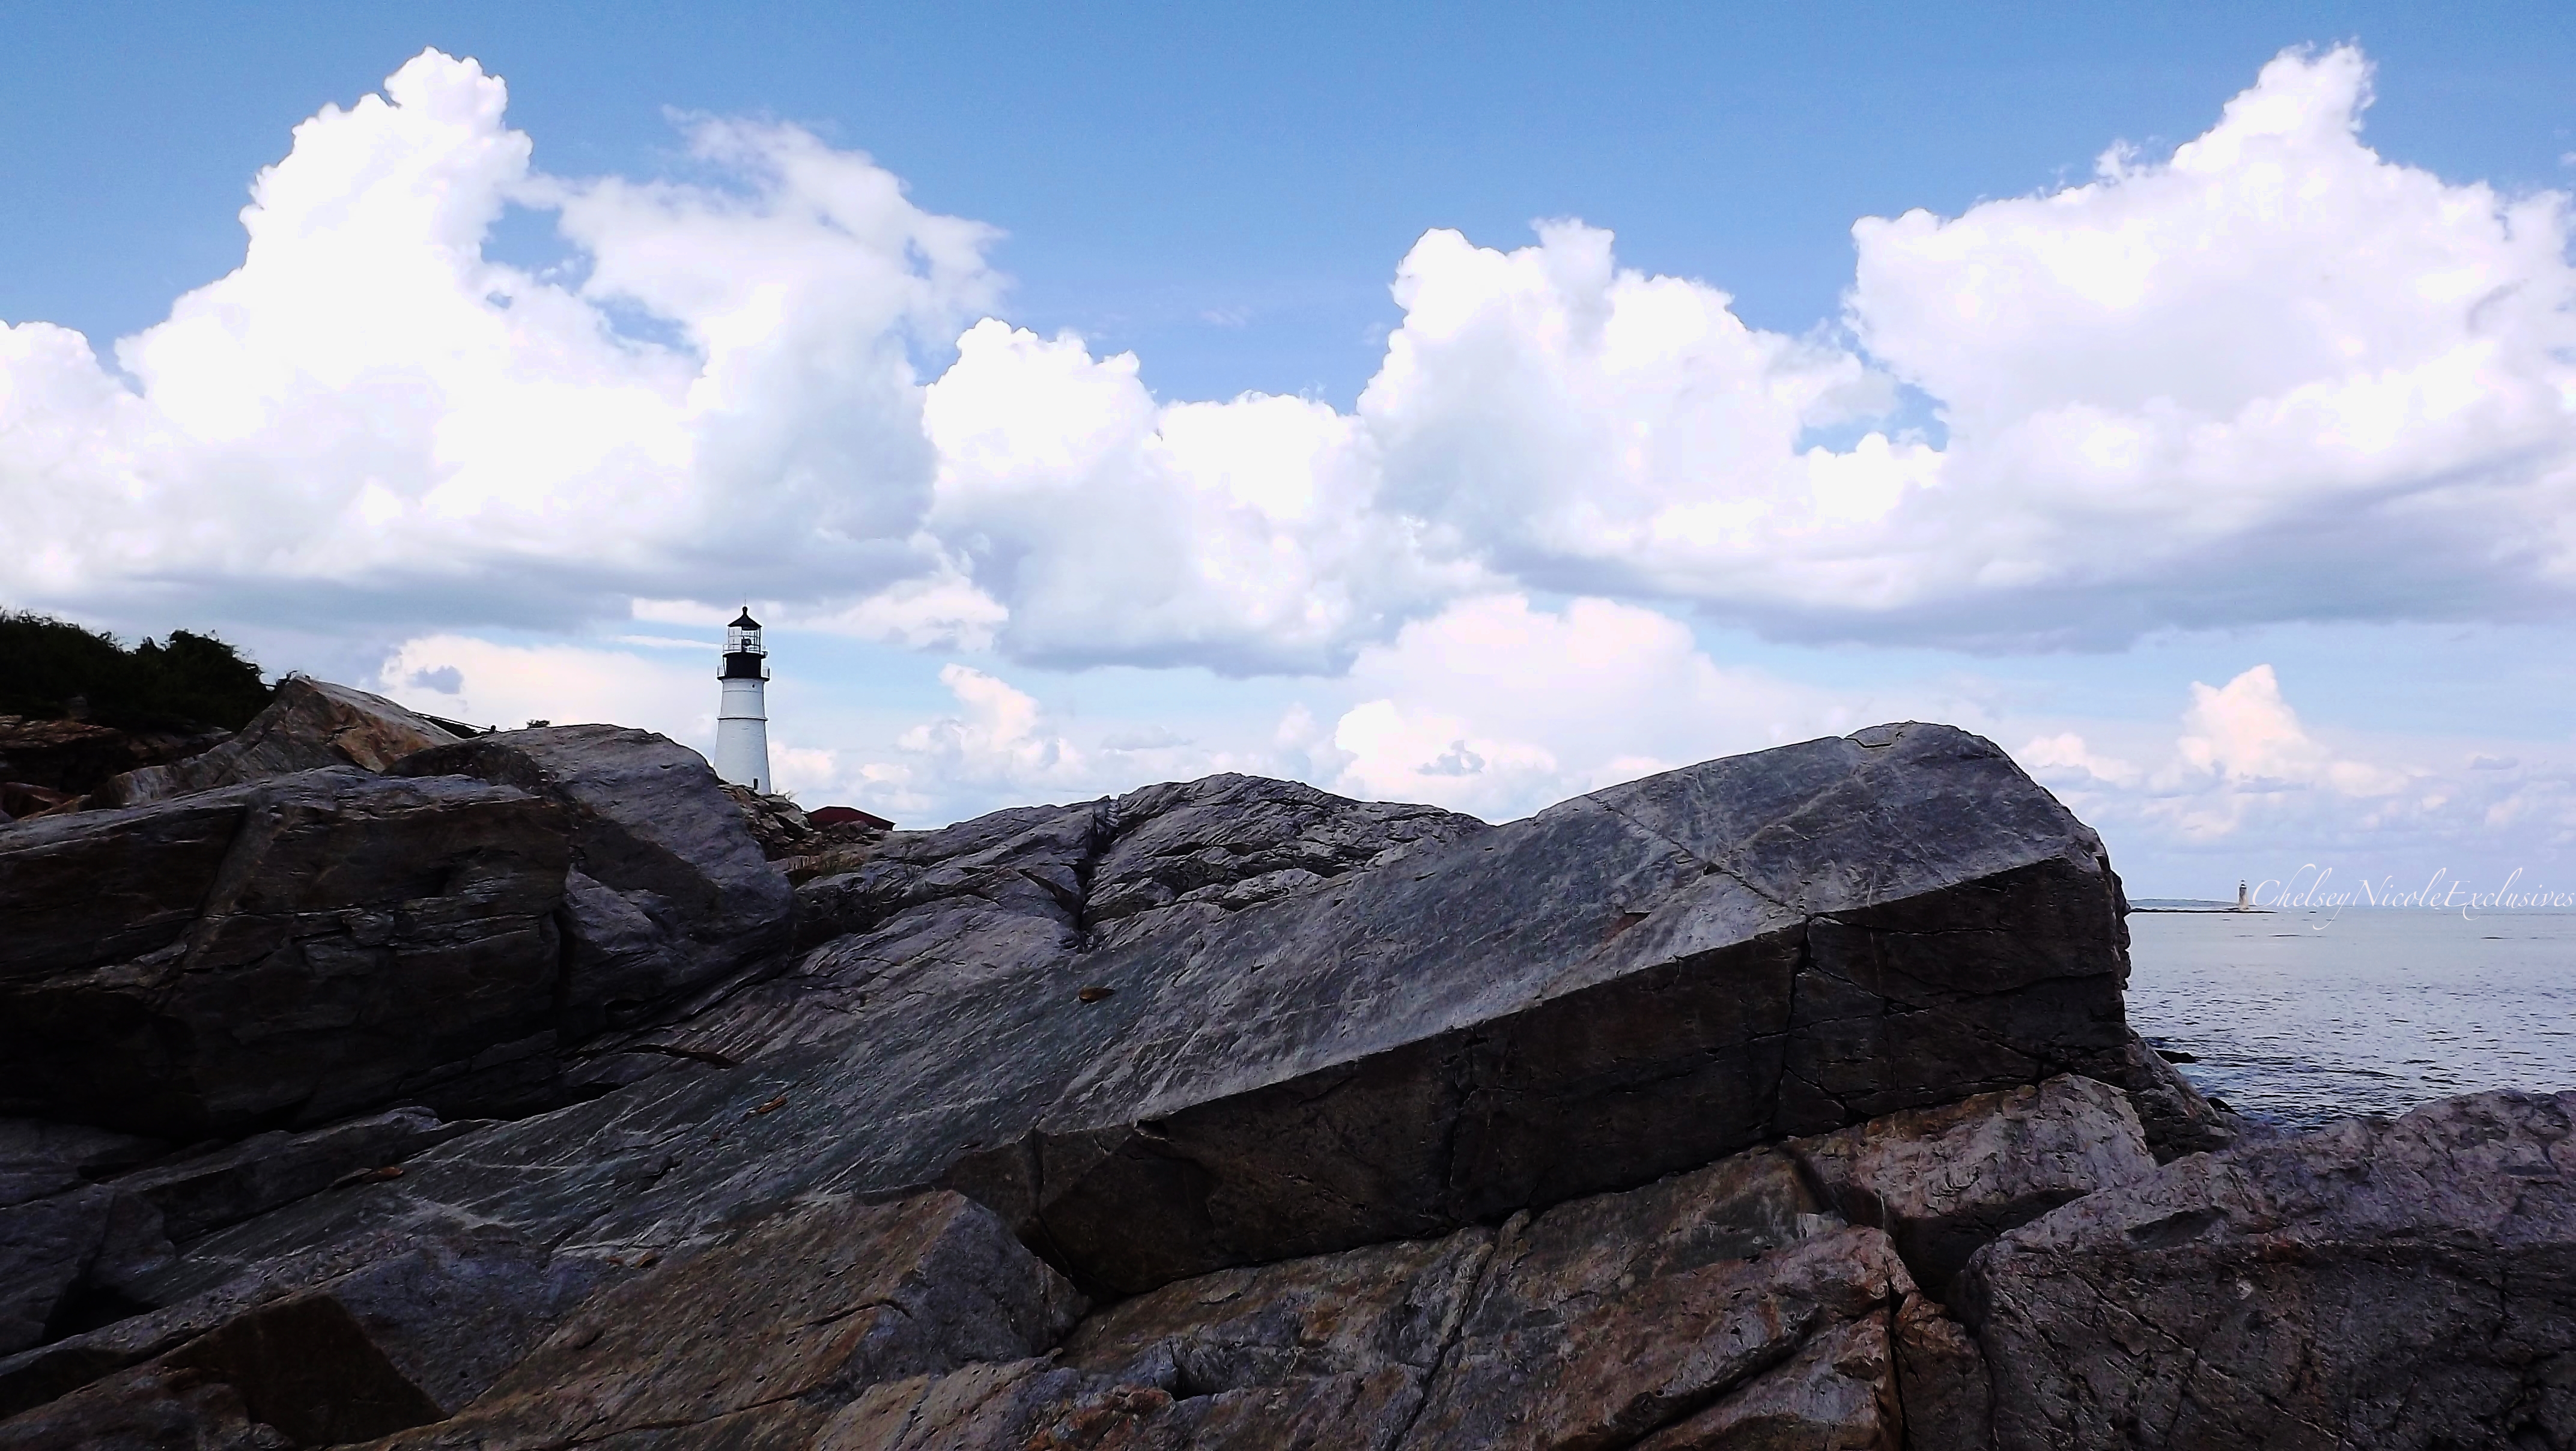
point(1422, 563)
point(1154, 165)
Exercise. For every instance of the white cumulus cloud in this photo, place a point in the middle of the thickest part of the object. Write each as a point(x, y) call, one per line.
point(369, 407)
point(2273, 376)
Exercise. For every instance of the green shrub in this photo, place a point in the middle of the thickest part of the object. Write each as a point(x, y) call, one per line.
point(189, 681)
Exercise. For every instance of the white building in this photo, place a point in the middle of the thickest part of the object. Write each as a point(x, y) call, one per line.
point(742, 718)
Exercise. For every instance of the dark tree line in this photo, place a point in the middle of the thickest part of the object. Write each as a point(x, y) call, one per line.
point(52, 668)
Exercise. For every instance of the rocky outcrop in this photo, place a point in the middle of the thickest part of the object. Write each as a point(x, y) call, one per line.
point(668, 890)
point(64, 1240)
point(291, 950)
point(67, 759)
point(1665, 1118)
point(1738, 1308)
point(2373, 1284)
point(84, 1231)
point(1941, 1381)
point(775, 1328)
point(802, 847)
point(1944, 1182)
point(1661, 973)
point(70, 1257)
point(196, 1194)
point(311, 725)
point(2174, 1116)
point(1609, 1320)
point(407, 1337)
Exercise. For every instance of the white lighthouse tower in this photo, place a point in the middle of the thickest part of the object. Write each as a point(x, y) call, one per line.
point(742, 719)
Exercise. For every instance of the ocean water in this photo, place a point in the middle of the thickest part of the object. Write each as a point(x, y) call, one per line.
point(2301, 1017)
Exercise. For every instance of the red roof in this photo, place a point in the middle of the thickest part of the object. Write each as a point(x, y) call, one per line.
point(847, 815)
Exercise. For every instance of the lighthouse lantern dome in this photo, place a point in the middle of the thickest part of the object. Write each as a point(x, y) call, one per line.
point(742, 637)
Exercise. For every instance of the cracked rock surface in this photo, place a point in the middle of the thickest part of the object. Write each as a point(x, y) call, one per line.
point(1632, 983)
point(1944, 1181)
point(506, 1092)
point(2372, 1284)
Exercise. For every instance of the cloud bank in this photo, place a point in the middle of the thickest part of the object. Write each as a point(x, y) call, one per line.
point(2271, 377)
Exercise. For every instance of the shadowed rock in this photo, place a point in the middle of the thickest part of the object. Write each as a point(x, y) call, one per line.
point(1941, 1381)
point(1837, 1393)
point(2373, 1284)
point(1354, 1313)
point(68, 759)
point(200, 1193)
point(71, 1256)
point(406, 1339)
point(311, 725)
point(1629, 984)
point(1581, 1327)
point(1603, 1320)
point(40, 1159)
point(2174, 1116)
point(1944, 1181)
point(418, 1253)
point(814, 1306)
point(157, 1408)
point(292, 949)
point(668, 889)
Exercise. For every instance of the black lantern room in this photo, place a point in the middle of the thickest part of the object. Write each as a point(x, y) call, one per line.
point(743, 653)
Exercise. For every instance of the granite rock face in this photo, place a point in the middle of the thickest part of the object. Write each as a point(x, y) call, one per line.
point(1944, 1182)
point(310, 725)
point(2174, 1116)
point(70, 1255)
point(668, 889)
point(1666, 1118)
point(1633, 983)
point(1661, 973)
point(197, 1194)
point(1609, 1319)
point(404, 1339)
point(67, 759)
point(2373, 1284)
point(63, 1237)
point(289, 950)
point(1942, 1381)
point(789, 1317)
point(1619, 988)
point(1738, 1310)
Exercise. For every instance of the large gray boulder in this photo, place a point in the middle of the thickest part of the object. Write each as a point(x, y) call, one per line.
point(1034, 889)
point(401, 1339)
point(2406, 1283)
point(791, 1317)
point(289, 950)
point(668, 888)
point(1712, 1309)
point(1609, 1319)
point(71, 1255)
point(45, 763)
point(1628, 984)
point(310, 725)
point(1944, 1182)
point(1633, 983)
point(63, 1235)
point(198, 1193)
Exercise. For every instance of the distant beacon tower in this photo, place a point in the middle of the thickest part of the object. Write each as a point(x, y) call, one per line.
point(742, 721)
